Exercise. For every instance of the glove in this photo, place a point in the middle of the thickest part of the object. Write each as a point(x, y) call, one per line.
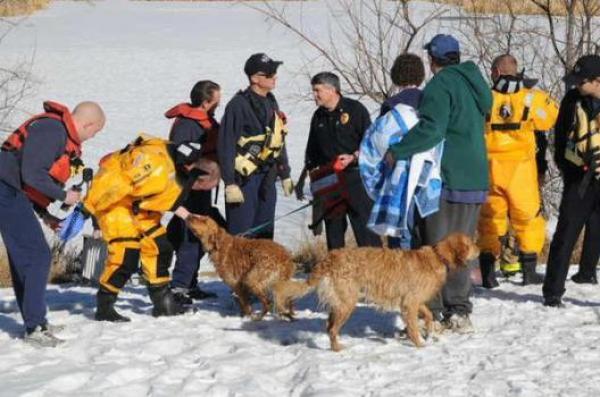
point(73, 224)
point(288, 187)
point(233, 194)
point(299, 189)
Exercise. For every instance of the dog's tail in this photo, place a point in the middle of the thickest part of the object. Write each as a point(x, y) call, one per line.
point(289, 290)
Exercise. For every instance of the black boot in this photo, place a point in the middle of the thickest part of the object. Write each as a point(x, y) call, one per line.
point(528, 263)
point(164, 302)
point(199, 294)
point(581, 278)
point(105, 307)
point(487, 264)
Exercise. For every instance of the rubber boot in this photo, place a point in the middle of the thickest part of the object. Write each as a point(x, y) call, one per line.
point(487, 264)
point(105, 307)
point(528, 264)
point(164, 301)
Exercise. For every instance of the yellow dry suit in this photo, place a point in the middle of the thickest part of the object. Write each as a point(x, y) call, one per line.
point(514, 193)
point(128, 196)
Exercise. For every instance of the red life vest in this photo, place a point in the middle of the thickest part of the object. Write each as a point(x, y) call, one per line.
point(60, 170)
point(206, 121)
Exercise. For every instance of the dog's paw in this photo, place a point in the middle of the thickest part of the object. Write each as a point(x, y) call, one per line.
point(257, 316)
point(286, 317)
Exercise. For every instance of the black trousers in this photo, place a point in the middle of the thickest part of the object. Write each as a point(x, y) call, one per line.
point(359, 208)
point(452, 217)
point(574, 213)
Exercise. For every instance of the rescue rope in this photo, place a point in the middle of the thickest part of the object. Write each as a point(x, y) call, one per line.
point(263, 225)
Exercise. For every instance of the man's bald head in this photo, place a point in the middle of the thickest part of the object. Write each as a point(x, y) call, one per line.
point(504, 65)
point(89, 119)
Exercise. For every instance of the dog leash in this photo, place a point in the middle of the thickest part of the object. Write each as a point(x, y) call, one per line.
point(263, 225)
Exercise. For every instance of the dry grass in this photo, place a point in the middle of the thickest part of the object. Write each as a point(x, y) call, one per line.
point(64, 264)
point(62, 270)
point(5, 279)
point(11, 8)
point(518, 7)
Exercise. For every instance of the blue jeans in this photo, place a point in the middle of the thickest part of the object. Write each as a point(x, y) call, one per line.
point(28, 252)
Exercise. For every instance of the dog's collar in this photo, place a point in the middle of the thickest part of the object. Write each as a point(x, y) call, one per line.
point(442, 259)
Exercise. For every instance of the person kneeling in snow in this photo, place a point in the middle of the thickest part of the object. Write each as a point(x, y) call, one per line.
point(132, 190)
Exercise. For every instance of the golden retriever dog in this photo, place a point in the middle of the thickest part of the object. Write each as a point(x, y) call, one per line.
point(247, 266)
point(392, 279)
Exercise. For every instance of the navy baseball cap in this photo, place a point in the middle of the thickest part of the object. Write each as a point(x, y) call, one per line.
point(586, 68)
point(260, 63)
point(441, 45)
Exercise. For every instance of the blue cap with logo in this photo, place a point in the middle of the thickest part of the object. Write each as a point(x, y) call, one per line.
point(441, 45)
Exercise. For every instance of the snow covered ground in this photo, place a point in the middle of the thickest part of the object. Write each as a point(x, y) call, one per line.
point(138, 59)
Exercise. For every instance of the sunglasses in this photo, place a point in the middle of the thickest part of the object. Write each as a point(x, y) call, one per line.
point(266, 75)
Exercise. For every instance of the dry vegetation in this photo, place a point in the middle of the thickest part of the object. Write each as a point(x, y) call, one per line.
point(518, 7)
point(10, 8)
point(62, 270)
point(4, 270)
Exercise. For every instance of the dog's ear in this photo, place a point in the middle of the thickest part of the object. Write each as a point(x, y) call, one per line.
point(444, 250)
point(463, 248)
point(214, 233)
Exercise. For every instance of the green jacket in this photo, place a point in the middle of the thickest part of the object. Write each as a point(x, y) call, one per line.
point(453, 109)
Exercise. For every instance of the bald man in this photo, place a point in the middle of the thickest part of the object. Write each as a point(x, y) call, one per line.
point(510, 135)
point(36, 161)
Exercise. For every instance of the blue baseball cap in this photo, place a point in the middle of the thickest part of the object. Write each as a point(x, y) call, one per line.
point(441, 45)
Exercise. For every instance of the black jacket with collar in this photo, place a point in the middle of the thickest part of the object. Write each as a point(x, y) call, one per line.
point(336, 132)
point(564, 125)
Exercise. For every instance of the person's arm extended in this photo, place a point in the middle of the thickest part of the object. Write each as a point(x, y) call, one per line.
point(434, 115)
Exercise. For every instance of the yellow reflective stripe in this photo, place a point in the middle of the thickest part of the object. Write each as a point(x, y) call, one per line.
point(254, 138)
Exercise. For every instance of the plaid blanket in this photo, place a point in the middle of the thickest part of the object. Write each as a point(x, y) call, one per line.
point(413, 185)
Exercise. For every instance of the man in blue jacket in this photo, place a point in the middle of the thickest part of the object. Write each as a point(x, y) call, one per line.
point(251, 151)
point(35, 162)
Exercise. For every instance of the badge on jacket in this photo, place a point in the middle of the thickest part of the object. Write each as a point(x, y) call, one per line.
point(344, 118)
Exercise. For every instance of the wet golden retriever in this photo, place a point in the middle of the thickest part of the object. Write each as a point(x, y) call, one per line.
point(392, 279)
point(247, 266)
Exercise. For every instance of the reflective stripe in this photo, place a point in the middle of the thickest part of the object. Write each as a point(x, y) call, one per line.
point(506, 127)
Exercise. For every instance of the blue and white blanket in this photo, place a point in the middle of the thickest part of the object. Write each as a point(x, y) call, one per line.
point(411, 184)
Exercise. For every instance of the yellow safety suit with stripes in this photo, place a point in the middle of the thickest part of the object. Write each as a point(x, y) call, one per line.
point(514, 193)
point(128, 196)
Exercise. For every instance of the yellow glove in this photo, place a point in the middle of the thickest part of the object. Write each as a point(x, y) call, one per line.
point(233, 194)
point(288, 187)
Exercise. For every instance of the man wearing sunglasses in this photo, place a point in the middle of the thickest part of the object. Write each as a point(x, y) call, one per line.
point(251, 151)
point(577, 155)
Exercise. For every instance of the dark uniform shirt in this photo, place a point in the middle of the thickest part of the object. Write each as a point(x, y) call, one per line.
point(336, 132)
point(45, 143)
point(186, 130)
point(249, 114)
